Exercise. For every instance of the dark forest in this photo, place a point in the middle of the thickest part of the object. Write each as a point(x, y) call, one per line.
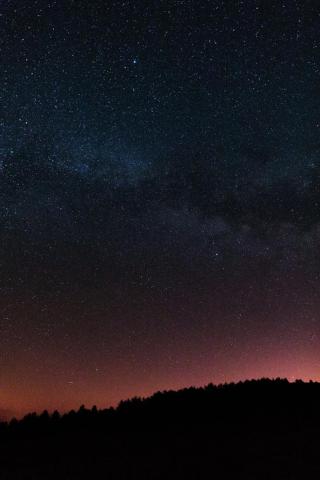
point(266, 429)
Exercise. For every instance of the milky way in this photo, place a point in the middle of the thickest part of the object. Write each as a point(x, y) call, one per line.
point(159, 200)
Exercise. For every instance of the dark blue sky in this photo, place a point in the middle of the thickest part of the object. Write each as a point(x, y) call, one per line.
point(159, 201)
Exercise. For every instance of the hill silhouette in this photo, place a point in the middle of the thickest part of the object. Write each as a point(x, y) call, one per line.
point(257, 429)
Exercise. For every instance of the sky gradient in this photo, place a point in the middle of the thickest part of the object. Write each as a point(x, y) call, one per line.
point(159, 200)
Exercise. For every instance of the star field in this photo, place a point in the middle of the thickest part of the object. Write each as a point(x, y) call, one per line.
point(159, 200)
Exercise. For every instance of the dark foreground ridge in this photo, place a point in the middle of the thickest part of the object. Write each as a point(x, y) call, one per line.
point(258, 429)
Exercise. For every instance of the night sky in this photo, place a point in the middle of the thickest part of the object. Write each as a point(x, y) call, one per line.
point(159, 197)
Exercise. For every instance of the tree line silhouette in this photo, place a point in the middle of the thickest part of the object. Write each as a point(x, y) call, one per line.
point(253, 429)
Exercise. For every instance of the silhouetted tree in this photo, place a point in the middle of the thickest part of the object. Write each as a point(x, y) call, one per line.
point(253, 429)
